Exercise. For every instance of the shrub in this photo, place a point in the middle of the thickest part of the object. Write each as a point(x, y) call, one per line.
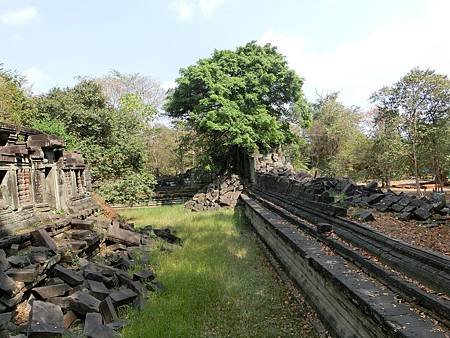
point(130, 190)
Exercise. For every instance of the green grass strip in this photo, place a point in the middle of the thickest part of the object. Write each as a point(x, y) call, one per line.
point(218, 284)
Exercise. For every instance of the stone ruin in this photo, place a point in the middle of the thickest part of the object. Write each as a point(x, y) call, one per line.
point(273, 171)
point(65, 265)
point(37, 176)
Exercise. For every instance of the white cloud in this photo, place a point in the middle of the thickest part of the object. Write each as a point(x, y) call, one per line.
point(36, 79)
point(19, 16)
point(359, 68)
point(209, 7)
point(185, 9)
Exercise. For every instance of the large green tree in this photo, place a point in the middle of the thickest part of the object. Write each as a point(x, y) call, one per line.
point(421, 101)
point(239, 101)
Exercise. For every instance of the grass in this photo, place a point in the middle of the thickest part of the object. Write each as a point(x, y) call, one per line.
point(218, 284)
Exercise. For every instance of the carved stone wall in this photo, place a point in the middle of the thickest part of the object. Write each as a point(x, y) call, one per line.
point(37, 176)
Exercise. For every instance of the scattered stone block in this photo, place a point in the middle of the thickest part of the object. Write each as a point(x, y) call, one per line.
point(4, 320)
point(62, 302)
point(92, 320)
point(323, 228)
point(116, 234)
point(122, 296)
point(422, 213)
point(46, 320)
point(41, 237)
point(39, 254)
point(69, 318)
point(79, 234)
point(144, 275)
point(52, 291)
point(4, 264)
point(71, 277)
point(364, 216)
point(82, 302)
point(167, 235)
point(13, 249)
point(19, 261)
point(404, 216)
point(7, 284)
point(25, 275)
point(108, 311)
point(82, 224)
point(78, 245)
point(98, 289)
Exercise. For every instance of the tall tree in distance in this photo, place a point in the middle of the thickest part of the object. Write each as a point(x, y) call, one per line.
point(117, 85)
point(239, 101)
point(421, 99)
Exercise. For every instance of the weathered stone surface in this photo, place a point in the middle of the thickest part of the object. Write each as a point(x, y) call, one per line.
point(167, 235)
point(79, 234)
point(324, 228)
point(73, 278)
point(82, 224)
point(422, 214)
point(77, 245)
point(116, 234)
point(144, 275)
point(98, 289)
point(122, 296)
point(62, 302)
point(42, 238)
point(69, 318)
point(46, 320)
point(364, 215)
point(4, 320)
point(26, 275)
point(4, 264)
point(82, 302)
point(108, 311)
point(19, 261)
point(52, 291)
point(39, 254)
point(92, 320)
point(7, 284)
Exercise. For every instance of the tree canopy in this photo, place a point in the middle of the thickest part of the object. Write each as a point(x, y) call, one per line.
point(239, 101)
point(420, 103)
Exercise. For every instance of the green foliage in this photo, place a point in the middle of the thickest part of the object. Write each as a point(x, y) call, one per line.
point(56, 127)
point(15, 106)
point(131, 189)
point(239, 101)
point(335, 138)
point(421, 102)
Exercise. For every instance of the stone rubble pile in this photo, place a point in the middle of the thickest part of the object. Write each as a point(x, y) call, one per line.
point(222, 194)
point(345, 193)
point(273, 169)
point(276, 165)
point(74, 276)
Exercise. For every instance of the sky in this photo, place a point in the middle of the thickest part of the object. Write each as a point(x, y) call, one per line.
point(351, 46)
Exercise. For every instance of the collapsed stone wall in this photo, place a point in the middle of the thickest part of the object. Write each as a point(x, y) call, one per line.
point(38, 176)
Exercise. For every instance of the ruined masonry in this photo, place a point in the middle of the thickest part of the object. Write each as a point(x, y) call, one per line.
point(37, 176)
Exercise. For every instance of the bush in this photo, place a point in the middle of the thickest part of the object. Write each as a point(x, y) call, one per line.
point(130, 190)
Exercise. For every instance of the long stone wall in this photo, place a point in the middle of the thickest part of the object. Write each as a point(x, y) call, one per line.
point(38, 176)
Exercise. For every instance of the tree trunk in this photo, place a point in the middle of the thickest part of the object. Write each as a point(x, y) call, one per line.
point(416, 170)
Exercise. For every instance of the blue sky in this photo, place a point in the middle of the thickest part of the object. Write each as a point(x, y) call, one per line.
point(350, 46)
